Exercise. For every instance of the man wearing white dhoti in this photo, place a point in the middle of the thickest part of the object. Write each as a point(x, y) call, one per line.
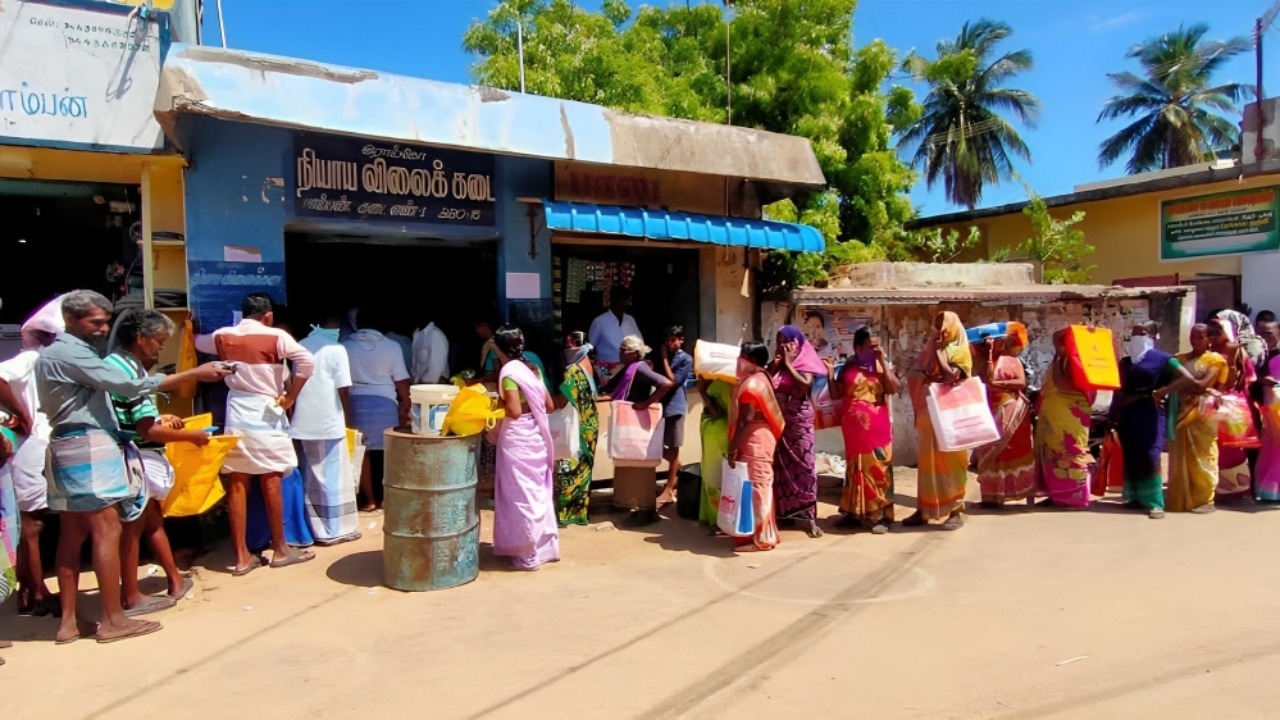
point(257, 402)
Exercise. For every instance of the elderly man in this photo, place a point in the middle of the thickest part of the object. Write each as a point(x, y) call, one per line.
point(258, 399)
point(90, 483)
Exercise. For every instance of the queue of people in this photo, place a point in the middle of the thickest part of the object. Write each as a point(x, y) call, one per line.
point(82, 437)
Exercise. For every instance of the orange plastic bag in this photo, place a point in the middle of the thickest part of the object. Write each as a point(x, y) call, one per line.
point(196, 486)
point(1092, 352)
point(187, 360)
point(1110, 471)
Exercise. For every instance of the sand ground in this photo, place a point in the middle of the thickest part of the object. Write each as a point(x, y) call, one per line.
point(1021, 614)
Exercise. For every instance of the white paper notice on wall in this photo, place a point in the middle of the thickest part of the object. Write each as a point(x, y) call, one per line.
point(524, 286)
point(241, 253)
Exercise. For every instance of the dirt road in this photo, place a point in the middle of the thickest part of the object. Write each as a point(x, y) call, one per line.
point(1024, 614)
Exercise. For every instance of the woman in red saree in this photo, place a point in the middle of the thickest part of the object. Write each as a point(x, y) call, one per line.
point(1007, 467)
point(755, 424)
point(865, 383)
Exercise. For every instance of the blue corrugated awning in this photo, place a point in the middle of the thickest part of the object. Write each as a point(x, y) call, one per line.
point(678, 226)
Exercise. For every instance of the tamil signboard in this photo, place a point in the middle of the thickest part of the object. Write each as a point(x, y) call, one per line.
point(349, 178)
point(1229, 223)
point(80, 77)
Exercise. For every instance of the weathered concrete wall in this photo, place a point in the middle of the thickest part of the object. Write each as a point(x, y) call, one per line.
point(905, 329)
point(726, 296)
point(894, 274)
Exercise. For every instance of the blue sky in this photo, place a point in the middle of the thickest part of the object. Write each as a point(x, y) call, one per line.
point(1075, 43)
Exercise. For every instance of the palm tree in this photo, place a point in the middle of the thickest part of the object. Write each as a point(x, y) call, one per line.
point(1174, 102)
point(962, 137)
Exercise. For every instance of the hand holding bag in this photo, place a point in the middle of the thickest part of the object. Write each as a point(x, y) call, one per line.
point(961, 416)
point(735, 515)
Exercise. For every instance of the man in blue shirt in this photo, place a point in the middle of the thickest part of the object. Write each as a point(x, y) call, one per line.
point(678, 367)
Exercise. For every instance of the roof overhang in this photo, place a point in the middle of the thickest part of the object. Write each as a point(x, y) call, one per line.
point(680, 227)
point(284, 92)
point(1004, 295)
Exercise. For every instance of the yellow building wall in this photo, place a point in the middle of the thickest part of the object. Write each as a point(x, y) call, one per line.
point(1125, 232)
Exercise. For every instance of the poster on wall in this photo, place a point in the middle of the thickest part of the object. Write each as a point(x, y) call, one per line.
point(831, 331)
point(80, 77)
point(1229, 223)
point(217, 289)
point(354, 179)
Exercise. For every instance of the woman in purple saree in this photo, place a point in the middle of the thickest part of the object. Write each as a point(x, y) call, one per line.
point(524, 509)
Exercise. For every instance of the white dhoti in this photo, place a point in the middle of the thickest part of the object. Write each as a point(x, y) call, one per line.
point(158, 473)
point(330, 489)
point(30, 483)
point(263, 428)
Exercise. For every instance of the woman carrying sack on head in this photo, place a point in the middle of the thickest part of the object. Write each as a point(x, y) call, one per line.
point(1063, 417)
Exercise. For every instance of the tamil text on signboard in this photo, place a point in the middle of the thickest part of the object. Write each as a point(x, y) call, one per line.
point(1223, 224)
point(358, 179)
point(80, 77)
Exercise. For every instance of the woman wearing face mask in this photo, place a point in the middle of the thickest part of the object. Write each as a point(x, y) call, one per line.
point(1007, 467)
point(573, 477)
point(1193, 447)
point(942, 475)
point(794, 366)
point(866, 381)
point(755, 424)
point(1235, 481)
point(1062, 434)
point(1139, 418)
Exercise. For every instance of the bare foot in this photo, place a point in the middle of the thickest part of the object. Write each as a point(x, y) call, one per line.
point(666, 498)
point(125, 630)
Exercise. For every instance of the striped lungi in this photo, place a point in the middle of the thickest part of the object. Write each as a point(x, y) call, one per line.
point(373, 415)
point(330, 489)
point(89, 471)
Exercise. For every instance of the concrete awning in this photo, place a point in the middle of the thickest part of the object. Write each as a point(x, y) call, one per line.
point(252, 87)
point(1001, 295)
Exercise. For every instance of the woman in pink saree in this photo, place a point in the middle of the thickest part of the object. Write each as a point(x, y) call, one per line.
point(524, 508)
point(755, 424)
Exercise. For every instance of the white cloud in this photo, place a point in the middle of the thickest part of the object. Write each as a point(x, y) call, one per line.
point(1114, 22)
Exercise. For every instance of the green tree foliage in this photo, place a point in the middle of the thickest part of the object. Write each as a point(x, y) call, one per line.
point(1177, 106)
point(794, 71)
point(961, 136)
point(1058, 245)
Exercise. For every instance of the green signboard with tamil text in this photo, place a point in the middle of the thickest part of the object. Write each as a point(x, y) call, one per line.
point(1228, 223)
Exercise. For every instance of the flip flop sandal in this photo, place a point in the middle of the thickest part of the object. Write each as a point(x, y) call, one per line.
point(254, 564)
point(187, 585)
point(153, 603)
point(48, 606)
point(145, 628)
point(297, 557)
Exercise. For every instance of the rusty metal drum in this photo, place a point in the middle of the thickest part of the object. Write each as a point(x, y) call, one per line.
point(430, 525)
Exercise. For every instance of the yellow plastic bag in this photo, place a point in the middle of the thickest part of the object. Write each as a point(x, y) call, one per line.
point(471, 413)
point(198, 422)
point(196, 487)
point(187, 360)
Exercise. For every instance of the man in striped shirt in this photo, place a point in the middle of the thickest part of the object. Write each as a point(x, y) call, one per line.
point(143, 335)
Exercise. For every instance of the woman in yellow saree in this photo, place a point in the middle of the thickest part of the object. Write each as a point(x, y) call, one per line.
point(1193, 444)
point(941, 475)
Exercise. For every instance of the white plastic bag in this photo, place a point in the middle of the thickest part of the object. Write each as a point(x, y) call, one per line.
point(716, 361)
point(564, 425)
point(961, 417)
point(635, 436)
point(735, 515)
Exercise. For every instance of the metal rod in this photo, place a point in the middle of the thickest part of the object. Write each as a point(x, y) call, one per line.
point(728, 71)
point(520, 50)
point(222, 26)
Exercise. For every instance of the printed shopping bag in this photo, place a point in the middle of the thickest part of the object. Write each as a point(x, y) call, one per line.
point(564, 426)
point(735, 515)
point(961, 417)
point(1091, 353)
point(635, 436)
point(826, 409)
